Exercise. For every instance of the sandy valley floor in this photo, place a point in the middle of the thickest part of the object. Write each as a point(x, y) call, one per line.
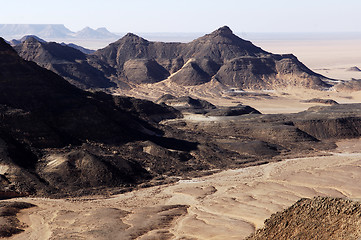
point(227, 205)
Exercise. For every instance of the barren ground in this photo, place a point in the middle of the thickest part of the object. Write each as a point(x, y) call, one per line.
point(226, 205)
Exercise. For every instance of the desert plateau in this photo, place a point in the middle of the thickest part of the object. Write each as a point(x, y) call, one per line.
point(214, 137)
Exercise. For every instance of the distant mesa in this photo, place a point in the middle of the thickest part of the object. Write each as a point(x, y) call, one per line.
point(354, 69)
point(89, 33)
point(52, 31)
point(11, 31)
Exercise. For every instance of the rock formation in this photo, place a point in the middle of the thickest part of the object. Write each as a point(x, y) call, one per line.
point(58, 140)
point(66, 61)
point(40, 111)
point(220, 55)
point(320, 100)
point(53, 31)
point(318, 218)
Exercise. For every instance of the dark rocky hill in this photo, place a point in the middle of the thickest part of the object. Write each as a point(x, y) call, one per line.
point(57, 140)
point(318, 218)
point(220, 55)
point(80, 48)
point(66, 61)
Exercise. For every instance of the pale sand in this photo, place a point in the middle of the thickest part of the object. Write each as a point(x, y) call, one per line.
point(227, 205)
point(330, 58)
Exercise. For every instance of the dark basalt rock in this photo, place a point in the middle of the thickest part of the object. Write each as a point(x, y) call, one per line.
point(319, 100)
point(57, 140)
point(233, 111)
point(66, 61)
point(40, 111)
point(133, 60)
point(186, 103)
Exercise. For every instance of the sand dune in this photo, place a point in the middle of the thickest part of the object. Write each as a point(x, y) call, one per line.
point(226, 205)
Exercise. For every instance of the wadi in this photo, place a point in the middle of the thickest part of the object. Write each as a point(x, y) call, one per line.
point(216, 138)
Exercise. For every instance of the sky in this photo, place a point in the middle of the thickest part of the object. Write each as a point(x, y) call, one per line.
point(189, 15)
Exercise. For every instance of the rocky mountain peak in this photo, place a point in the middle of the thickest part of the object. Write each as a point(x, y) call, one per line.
point(132, 36)
point(31, 39)
point(223, 31)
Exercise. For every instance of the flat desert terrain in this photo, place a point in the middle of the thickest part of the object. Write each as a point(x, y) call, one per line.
point(331, 58)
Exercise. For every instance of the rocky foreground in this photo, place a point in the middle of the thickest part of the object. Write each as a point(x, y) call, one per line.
point(228, 205)
point(318, 218)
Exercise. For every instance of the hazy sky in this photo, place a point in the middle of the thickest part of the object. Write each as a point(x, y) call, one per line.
point(190, 15)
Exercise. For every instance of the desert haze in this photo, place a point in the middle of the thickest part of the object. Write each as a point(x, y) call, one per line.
point(216, 138)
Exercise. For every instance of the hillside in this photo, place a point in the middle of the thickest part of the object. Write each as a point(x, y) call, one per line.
point(57, 140)
point(64, 60)
point(220, 56)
